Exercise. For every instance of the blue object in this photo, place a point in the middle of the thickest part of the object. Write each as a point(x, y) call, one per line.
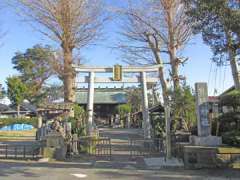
point(17, 127)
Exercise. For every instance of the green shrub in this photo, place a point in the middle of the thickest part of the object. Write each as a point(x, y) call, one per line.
point(79, 112)
point(232, 138)
point(231, 99)
point(10, 121)
point(158, 125)
point(230, 121)
point(78, 122)
point(123, 109)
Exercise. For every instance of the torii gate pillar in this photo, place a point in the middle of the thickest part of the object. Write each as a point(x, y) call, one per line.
point(90, 105)
point(146, 118)
point(142, 70)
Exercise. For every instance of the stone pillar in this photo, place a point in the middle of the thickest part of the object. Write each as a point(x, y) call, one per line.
point(112, 120)
point(39, 121)
point(90, 102)
point(146, 118)
point(202, 109)
point(75, 144)
point(204, 137)
point(129, 120)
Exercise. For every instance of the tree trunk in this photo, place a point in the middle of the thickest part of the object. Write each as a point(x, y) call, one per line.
point(18, 110)
point(235, 69)
point(167, 113)
point(233, 61)
point(163, 84)
point(69, 77)
point(172, 48)
point(174, 67)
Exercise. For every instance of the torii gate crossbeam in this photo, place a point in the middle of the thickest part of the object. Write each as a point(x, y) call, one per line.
point(142, 70)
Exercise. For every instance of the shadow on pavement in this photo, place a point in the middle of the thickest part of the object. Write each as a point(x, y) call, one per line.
point(103, 170)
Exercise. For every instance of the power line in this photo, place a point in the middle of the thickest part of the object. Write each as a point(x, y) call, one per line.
point(224, 78)
point(210, 72)
point(215, 81)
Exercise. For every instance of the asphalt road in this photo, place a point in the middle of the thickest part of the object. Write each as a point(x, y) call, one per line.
point(117, 168)
point(74, 171)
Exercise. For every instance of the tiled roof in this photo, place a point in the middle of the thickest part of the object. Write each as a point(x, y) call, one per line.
point(102, 97)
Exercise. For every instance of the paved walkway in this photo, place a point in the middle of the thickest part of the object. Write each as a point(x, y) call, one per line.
point(119, 168)
point(74, 171)
point(120, 141)
point(120, 137)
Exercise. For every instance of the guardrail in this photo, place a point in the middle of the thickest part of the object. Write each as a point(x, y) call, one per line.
point(147, 147)
point(97, 146)
point(20, 151)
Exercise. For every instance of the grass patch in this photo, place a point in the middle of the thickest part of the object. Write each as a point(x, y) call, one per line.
point(9, 134)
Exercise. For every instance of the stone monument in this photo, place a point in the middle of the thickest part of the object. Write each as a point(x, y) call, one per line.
point(55, 146)
point(204, 137)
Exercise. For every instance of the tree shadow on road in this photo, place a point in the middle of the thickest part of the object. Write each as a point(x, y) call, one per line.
point(24, 169)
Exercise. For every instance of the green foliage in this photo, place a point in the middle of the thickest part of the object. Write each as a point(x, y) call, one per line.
point(232, 138)
point(134, 96)
point(231, 99)
point(124, 109)
point(219, 23)
point(158, 124)
point(79, 112)
point(35, 68)
point(52, 93)
point(16, 90)
point(79, 121)
point(230, 117)
point(184, 111)
point(230, 121)
point(2, 92)
point(10, 121)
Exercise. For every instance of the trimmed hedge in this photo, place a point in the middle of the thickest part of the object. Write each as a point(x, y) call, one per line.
point(10, 121)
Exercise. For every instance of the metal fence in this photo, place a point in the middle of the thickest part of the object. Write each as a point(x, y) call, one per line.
point(97, 146)
point(21, 151)
point(147, 147)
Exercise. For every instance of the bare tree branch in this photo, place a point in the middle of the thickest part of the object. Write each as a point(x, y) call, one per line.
point(73, 24)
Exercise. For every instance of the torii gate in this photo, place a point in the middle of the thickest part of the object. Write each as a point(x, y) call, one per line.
point(91, 79)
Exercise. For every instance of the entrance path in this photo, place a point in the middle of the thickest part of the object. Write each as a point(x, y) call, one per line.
point(120, 144)
point(120, 138)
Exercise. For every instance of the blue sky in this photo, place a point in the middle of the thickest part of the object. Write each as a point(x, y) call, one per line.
point(21, 36)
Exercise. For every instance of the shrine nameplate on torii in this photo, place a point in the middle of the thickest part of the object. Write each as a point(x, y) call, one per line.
point(118, 77)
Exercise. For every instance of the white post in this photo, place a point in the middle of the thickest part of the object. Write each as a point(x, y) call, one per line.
point(146, 118)
point(90, 102)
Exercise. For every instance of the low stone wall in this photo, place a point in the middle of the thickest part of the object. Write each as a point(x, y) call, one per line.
point(210, 157)
point(199, 157)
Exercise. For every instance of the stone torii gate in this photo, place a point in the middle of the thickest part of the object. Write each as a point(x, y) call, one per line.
point(143, 79)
